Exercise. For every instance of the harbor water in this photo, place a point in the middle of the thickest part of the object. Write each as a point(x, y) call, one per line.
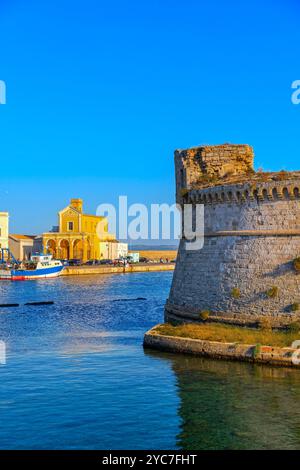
point(76, 376)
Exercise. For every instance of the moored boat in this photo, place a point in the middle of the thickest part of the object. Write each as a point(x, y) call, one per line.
point(39, 266)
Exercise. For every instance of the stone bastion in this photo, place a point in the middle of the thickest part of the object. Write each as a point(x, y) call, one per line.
point(247, 270)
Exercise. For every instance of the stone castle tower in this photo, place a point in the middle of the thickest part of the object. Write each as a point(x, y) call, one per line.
point(246, 270)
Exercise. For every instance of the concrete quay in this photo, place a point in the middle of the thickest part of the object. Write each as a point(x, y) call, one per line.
point(107, 269)
point(261, 354)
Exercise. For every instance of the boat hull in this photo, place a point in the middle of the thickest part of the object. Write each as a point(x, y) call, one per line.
point(27, 275)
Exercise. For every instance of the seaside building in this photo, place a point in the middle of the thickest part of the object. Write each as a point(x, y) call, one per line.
point(21, 246)
point(77, 235)
point(113, 250)
point(4, 217)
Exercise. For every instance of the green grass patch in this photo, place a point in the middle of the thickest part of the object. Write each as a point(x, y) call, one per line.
point(235, 293)
point(231, 334)
point(295, 307)
point(204, 315)
point(273, 292)
point(296, 264)
point(256, 351)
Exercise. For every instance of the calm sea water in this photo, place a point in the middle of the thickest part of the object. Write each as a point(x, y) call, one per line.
point(77, 377)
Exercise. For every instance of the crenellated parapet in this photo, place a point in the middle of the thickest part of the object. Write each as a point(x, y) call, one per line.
point(241, 193)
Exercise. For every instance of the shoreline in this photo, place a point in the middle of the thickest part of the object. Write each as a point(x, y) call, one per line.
point(260, 354)
point(107, 269)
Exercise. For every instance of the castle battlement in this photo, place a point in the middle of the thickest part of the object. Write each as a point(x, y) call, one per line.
point(245, 271)
point(243, 192)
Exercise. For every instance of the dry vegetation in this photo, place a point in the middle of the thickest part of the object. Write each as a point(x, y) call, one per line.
point(155, 255)
point(230, 334)
point(251, 178)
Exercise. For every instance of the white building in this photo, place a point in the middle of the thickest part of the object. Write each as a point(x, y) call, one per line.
point(119, 250)
point(21, 246)
point(4, 229)
point(113, 250)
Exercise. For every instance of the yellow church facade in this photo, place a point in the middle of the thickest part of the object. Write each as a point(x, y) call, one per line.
point(78, 235)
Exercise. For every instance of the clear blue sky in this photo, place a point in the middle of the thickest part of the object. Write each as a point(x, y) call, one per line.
point(99, 94)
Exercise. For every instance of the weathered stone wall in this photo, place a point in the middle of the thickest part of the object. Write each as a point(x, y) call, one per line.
point(252, 236)
point(216, 161)
point(205, 279)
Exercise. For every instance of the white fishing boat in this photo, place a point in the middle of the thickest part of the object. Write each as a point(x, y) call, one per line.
point(39, 266)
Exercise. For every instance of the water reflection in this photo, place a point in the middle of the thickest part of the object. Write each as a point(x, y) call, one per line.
point(228, 405)
point(77, 377)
